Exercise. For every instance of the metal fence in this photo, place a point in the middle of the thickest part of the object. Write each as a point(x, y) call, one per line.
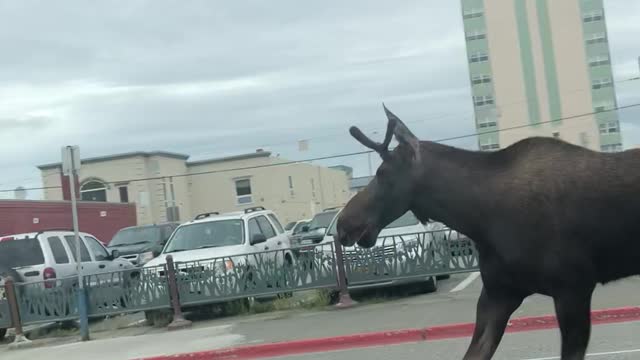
point(271, 273)
point(5, 317)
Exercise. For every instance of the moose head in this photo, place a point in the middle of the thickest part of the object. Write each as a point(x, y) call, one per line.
point(390, 193)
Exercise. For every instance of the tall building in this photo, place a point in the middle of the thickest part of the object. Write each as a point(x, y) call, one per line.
point(535, 65)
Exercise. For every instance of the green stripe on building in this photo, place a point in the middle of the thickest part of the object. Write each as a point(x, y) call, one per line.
point(526, 57)
point(548, 53)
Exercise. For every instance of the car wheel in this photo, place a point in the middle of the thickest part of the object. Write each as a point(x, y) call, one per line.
point(3, 332)
point(431, 285)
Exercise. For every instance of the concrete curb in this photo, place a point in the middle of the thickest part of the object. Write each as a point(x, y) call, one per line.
point(450, 331)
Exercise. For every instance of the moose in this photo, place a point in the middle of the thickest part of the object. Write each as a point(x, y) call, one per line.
point(546, 217)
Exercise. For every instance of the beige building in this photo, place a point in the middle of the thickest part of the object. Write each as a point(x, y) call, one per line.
point(535, 66)
point(167, 187)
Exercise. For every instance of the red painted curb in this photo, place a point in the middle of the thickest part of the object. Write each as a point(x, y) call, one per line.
point(604, 316)
point(304, 346)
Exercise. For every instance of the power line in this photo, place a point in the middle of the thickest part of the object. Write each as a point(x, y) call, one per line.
point(525, 100)
point(328, 157)
point(428, 119)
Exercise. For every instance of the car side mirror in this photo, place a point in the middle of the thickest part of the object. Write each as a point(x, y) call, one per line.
point(115, 254)
point(258, 238)
point(156, 252)
point(305, 228)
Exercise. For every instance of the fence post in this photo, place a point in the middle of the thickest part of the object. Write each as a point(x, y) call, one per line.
point(344, 300)
point(20, 340)
point(179, 322)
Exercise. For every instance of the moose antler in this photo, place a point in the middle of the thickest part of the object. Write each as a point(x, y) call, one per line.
point(381, 149)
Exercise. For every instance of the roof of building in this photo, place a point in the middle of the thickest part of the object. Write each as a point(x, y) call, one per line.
point(120, 156)
point(257, 154)
point(360, 182)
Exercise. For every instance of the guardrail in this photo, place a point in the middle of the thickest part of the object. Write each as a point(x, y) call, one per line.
point(272, 273)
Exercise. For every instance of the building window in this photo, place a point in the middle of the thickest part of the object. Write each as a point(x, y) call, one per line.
point(243, 191)
point(480, 79)
point(596, 38)
point(472, 13)
point(601, 83)
point(291, 185)
point(486, 100)
point(599, 60)
point(476, 35)
point(596, 15)
point(489, 145)
point(610, 127)
point(93, 190)
point(479, 57)
point(124, 194)
point(611, 148)
point(486, 122)
point(603, 106)
point(584, 139)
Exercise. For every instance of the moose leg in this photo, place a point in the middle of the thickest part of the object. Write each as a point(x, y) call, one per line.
point(492, 314)
point(573, 310)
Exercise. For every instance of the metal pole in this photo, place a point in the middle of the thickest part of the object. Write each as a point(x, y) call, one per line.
point(179, 322)
point(82, 299)
point(10, 289)
point(345, 300)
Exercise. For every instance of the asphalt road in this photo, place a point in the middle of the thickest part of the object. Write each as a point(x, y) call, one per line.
point(454, 302)
point(610, 342)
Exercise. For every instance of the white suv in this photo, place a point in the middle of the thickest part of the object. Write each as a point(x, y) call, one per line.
point(398, 239)
point(51, 255)
point(234, 235)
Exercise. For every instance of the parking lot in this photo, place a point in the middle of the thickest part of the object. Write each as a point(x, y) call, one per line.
point(453, 303)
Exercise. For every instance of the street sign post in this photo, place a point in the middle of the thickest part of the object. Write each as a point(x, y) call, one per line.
point(70, 167)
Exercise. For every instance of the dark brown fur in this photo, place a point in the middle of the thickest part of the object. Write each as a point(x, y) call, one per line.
point(547, 217)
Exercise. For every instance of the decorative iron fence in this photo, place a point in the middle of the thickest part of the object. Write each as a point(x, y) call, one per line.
point(127, 291)
point(5, 313)
point(410, 256)
point(277, 272)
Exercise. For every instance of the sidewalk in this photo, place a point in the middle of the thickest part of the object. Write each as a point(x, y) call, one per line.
point(415, 312)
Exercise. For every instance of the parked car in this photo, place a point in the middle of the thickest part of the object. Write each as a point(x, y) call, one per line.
point(407, 228)
point(315, 231)
point(295, 227)
point(140, 244)
point(235, 237)
point(49, 257)
point(297, 231)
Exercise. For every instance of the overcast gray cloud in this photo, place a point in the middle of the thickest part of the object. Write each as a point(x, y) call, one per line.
point(212, 78)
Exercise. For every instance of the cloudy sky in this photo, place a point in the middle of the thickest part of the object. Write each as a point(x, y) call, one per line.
point(213, 78)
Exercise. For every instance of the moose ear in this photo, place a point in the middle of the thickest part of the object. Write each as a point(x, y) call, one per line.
point(403, 134)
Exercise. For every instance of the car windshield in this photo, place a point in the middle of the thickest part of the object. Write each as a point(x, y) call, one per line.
point(207, 234)
point(298, 228)
point(138, 235)
point(290, 226)
point(322, 220)
point(19, 253)
point(408, 219)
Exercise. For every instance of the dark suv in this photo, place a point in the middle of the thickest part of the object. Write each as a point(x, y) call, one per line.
point(140, 244)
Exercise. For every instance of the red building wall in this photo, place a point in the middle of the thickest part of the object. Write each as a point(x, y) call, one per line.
point(100, 219)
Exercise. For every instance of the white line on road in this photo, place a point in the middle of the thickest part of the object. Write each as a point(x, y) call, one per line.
point(592, 354)
point(466, 282)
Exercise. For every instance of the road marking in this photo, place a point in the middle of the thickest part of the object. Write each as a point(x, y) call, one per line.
point(466, 282)
point(592, 354)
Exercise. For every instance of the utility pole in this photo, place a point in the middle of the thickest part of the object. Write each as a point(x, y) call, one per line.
point(70, 166)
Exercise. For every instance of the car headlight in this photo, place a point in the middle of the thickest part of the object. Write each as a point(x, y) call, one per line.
point(145, 257)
